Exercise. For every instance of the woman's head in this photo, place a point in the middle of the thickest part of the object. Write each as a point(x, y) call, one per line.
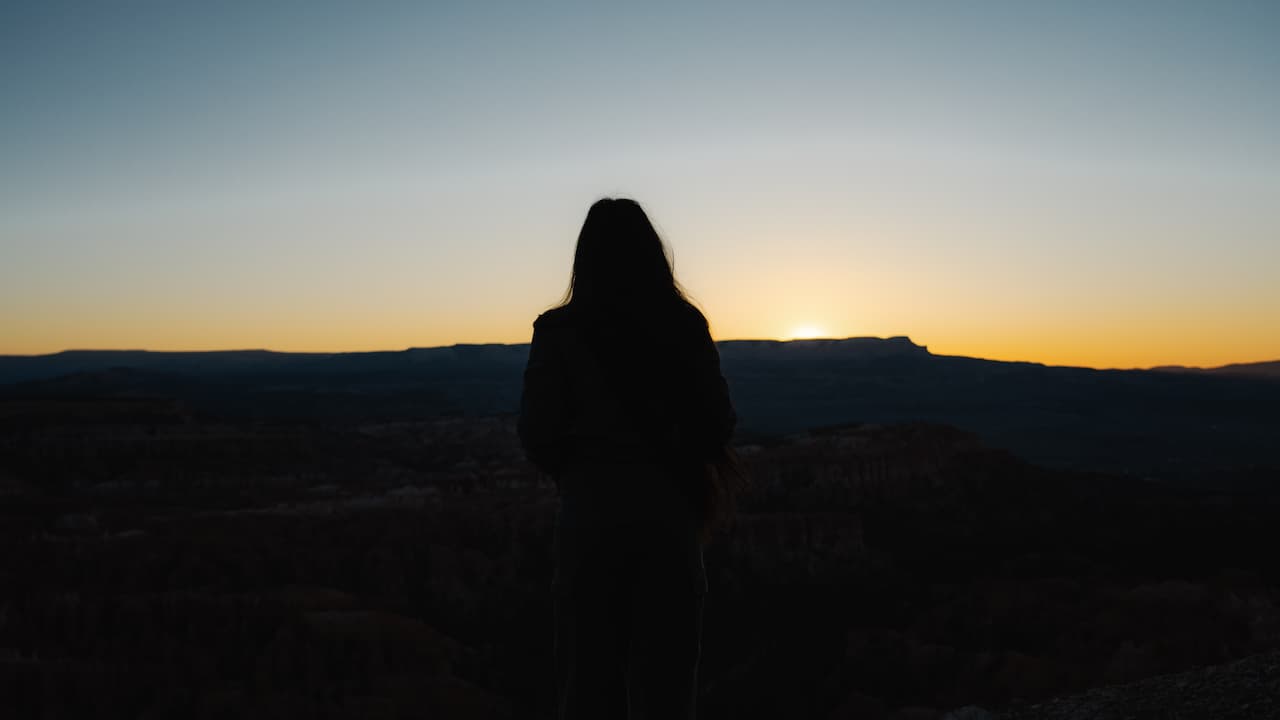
point(620, 260)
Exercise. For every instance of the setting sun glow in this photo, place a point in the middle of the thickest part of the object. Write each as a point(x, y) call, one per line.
point(806, 332)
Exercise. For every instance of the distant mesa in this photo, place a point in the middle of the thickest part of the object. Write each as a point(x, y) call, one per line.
point(854, 347)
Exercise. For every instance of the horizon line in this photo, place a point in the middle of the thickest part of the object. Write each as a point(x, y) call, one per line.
point(1169, 366)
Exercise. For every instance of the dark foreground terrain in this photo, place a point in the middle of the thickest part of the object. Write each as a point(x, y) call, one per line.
point(156, 563)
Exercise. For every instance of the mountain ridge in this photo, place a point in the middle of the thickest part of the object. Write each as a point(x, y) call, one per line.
point(1198, 424)
point(73, 360)
point(19, 368)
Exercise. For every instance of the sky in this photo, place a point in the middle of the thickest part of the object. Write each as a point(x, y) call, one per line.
point(1087, 183)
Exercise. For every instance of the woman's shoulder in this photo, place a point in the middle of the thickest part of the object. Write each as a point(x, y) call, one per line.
point(682, 316)
point(690, 314)
point(688, 321)
point(557, 317)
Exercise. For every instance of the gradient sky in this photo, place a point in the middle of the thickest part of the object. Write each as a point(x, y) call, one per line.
point(1088, 183)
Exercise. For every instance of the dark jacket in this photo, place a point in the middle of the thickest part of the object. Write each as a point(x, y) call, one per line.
point(620, 411)
point(601, 392)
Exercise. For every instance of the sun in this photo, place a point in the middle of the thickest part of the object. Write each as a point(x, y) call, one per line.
point(806, 332)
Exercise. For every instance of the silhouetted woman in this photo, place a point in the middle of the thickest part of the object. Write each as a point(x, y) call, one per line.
point(624, 404)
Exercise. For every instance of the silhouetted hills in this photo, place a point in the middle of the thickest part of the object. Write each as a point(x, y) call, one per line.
point(263, 385)
point(1258, 369)
point(1185, 424)
point(259, 364)
point(111, 382)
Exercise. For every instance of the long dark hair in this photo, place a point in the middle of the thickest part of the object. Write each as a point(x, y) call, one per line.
point(646, 333)
point(620, 262)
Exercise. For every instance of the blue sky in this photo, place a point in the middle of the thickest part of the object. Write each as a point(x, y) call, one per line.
point(1084, 183)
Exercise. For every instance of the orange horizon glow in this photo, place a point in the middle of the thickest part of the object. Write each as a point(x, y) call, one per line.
point(1062, 354)
point(960, 306)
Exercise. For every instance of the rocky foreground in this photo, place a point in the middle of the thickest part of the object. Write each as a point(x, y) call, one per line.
point(154, 567)
point(1247, 689)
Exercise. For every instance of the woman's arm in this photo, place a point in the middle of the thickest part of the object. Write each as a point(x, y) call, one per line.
point(718, 409)
point(544, 402)
point(712, 418)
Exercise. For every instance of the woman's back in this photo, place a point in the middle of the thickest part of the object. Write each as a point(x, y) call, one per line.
point(624, 404)
point(594, 393)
